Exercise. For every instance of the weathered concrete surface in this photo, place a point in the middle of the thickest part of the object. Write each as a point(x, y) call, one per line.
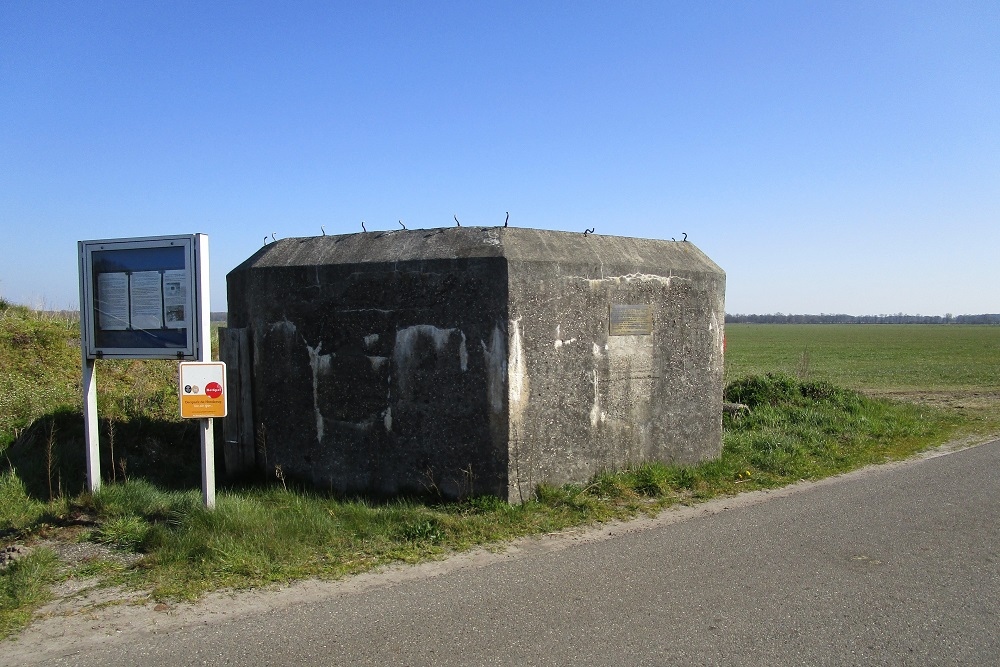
point(582, 400)
point(478, 360)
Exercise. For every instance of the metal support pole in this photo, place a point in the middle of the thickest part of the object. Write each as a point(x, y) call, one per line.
point(205, 354)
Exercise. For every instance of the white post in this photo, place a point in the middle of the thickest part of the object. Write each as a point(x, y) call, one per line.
point(208, 462)
point(205, 354)
point(91, 430)
point(90, 426)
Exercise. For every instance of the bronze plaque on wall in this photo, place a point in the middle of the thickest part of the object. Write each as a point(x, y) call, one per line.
point(631, 320)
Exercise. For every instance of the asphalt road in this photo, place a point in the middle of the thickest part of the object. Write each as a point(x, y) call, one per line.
point(898, 565)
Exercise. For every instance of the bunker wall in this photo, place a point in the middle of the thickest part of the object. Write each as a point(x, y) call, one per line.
point(478, 360)
point(384, 378)
point(583, 400)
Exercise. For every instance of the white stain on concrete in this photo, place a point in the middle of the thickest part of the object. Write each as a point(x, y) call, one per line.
point(284, 326)
point(320, 364)
point(597, 350)
point(596, 283)
point(406, 338)
point(495, 356)
point(387, 418)
point(463, 354)
point(492, 237)
point(518, 387)
point(717, 333)
point(378, 362)
point(596, 414)
point(559, 342)
point(406, 341)
point(355, 426)
point(370, 340)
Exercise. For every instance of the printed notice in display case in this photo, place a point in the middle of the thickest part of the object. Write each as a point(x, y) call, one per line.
point(145, 291)
point(175, 299)
point(112, 301)
point(139, 296)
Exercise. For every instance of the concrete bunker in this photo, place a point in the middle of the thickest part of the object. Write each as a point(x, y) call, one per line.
point(471, 360)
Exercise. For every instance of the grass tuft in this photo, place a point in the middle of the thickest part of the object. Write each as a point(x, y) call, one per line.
point(25, 586)
point(18, 511)
point(124, 532)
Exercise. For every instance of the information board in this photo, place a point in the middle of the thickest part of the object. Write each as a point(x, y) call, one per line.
point(147, 298)
point(139, 297)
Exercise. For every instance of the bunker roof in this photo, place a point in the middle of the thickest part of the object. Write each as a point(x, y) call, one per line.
point(515, 244)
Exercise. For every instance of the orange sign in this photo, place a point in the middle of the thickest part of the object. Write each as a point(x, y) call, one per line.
point(202, 389)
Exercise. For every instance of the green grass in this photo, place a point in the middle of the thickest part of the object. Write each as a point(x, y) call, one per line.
point(39, 368)
point(872, 357)
point(40, 375)
point(17, 509)
point(811, 430)
point(24, 586)
point(803, 424)
point(261, 535)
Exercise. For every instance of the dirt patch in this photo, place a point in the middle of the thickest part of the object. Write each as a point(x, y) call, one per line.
point(12, 553)
point(77, 594)
point(971, 400)
point(72, 550)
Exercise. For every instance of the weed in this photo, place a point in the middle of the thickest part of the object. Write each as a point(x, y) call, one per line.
point(50, 457)
point(41, 424)
point(426, 530)
point(467, 483)
point(430, 485)
point(486, 504)
point(124, 532)
point(651, 479)
point(18, 511)
point(111, 447)
point(260, 438)
point(803, 370)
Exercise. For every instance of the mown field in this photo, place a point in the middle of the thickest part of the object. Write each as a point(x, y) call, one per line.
point(817, 407)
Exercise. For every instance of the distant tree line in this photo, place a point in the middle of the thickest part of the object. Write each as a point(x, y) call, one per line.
point(897, 318)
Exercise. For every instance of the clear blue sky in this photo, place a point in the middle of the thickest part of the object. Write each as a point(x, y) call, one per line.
point(838, 157)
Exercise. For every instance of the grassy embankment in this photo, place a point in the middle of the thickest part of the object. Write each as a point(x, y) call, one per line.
point(796, 428)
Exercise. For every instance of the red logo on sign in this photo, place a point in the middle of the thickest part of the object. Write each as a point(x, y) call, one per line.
point(213, 389)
